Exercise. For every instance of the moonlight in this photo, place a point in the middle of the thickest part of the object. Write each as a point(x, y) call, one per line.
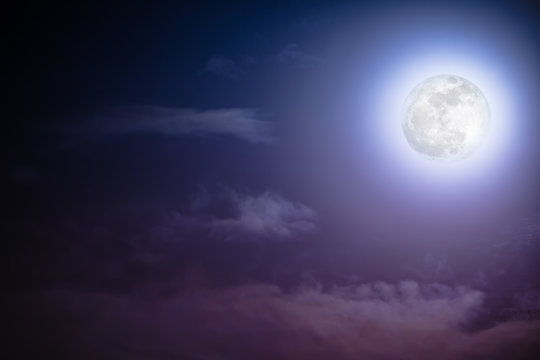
point(445, 118)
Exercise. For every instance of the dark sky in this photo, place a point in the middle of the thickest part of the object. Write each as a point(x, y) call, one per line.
point(214, 181)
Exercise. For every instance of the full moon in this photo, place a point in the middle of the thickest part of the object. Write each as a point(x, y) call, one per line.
point(445, 118)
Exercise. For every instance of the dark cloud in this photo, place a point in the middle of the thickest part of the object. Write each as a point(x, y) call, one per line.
point(406, 320)
point(242, 123)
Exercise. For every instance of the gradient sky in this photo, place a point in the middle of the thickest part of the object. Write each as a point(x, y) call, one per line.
point(211, 181)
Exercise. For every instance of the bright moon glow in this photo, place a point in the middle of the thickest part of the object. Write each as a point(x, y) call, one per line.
point(494, 64)
point(445, 118)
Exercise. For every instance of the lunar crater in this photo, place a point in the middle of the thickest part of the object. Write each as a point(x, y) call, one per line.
point(445, 118)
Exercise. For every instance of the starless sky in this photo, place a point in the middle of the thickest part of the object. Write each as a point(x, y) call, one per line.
point(207, 180)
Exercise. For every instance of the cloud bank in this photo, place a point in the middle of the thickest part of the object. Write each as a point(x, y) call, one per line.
point(406, 320)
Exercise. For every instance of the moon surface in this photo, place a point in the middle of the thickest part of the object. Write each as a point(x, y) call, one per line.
point(445, 118)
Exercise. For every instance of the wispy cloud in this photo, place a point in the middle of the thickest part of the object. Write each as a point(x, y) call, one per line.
point(290, 56)
point(242, 123)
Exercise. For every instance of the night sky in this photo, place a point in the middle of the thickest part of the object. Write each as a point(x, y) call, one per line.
point(230, 181)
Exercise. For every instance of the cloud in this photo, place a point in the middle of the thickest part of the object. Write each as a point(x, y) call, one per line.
point(267, 214)
point(242, 123)
point(288, 57)
point(523, 233)
point(406, 320)
point(293, 57)
point(241, 217)
point(223, 66)
point(433, 268)
point(529, 299)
